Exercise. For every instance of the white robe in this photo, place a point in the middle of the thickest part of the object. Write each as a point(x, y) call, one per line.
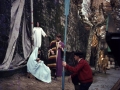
point(37, 36)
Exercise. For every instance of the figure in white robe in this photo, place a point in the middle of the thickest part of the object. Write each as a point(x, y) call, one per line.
point(38, 32)
point(37, 68)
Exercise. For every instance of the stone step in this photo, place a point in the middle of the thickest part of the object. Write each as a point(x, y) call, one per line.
point(116, 86)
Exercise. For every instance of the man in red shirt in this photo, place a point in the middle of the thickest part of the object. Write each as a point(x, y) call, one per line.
point(82, 73)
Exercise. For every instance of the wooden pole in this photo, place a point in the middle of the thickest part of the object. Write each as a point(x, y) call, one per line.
point(67, 3)
point(32, 18)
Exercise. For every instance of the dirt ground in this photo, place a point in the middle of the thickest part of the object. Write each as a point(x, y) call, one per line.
point(21, 82)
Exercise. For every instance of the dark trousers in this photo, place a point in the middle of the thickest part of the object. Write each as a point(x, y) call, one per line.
point(85, 86)
point(79, 85)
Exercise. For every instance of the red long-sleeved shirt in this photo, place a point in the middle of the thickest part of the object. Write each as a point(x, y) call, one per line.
point(82, 70)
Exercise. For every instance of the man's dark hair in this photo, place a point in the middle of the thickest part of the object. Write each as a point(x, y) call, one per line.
point(58, 35)
point(80, 54)
point(35, 24)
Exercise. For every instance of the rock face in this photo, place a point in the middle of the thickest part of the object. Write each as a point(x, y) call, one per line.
point(50, 14)
point(93, 14)
point(5, 7)
point(86, 19)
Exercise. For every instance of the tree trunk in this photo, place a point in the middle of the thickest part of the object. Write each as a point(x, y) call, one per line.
point(88, 51)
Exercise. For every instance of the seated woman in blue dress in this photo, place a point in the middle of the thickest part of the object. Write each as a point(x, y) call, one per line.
point(37, 68)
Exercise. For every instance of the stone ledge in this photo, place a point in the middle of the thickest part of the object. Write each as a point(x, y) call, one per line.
point(116, 86)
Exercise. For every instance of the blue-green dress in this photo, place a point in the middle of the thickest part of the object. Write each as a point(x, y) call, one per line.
point(38, 69)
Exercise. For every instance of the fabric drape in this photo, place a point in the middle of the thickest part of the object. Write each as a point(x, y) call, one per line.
point(38, 69)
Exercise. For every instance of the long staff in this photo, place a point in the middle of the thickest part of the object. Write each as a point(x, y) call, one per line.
point(67, 3)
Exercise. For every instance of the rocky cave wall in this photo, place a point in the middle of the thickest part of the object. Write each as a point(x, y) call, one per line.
point(50, 14)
